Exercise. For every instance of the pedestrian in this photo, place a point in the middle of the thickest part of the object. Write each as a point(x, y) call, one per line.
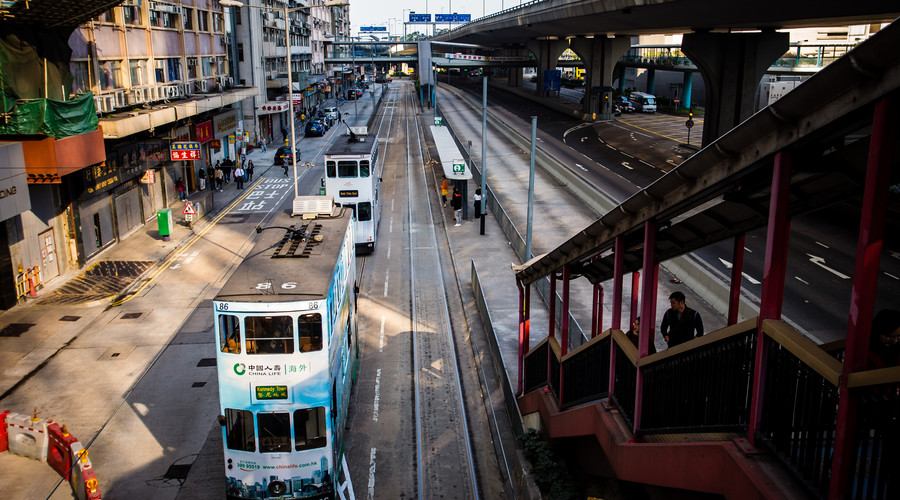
point(263, 142)
point(476, 202)
point(444, 187)
point(201, 174)
point(227, 166)
point(633, 335)
point(239, 177)
point(285, 165)
point(456, 203)
point(680, 322)
point(211, 176)
point(219, 177)
point(884, 341)
point(249, 170)
point(179, 185)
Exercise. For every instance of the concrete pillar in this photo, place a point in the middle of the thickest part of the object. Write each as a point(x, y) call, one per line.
point(600, 55)
point(546, 53)
point(687, 84)
point(651, 81)
point(622, 78)
point(515, 74)
point(732, 64)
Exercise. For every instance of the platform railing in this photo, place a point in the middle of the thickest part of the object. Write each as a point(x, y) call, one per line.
point(535, 366)
point(800, 405)
point(623, 396)
point(876, 452)
point(702, 385)
point(555, 373)
point(586, 372)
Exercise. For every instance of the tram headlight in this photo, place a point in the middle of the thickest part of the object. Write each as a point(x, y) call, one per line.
point(277, 488)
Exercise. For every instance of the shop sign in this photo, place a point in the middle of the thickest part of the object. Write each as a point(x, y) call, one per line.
point(203, 132)
point(149, 177)
point(215, 144)
point(225, 123)
point(184, 151)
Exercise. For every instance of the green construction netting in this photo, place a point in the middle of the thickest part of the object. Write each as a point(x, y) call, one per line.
point(34, 80)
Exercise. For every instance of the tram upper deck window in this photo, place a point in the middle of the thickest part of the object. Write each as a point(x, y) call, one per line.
point(309, 428)
point(230, 333)
point(274, 432)
point(364, 211)
point(347, 168)
point(363, 168)
point(331, 168)
point(309, 332)
point(239, 434)
point(269, 335)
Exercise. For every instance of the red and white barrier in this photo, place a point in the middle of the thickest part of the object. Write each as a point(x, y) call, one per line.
point(27, 436)
point(4, 442)
point(83, 480)
point(59, 452)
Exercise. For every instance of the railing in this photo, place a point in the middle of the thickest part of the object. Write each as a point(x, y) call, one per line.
point(535, 366)
point(800, 407)
point(626, 376)
point(586, 372)
point(701, 386)
point(554, 368)
point(876, 452)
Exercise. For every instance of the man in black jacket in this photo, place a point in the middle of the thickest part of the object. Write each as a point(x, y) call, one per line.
point(680, 322)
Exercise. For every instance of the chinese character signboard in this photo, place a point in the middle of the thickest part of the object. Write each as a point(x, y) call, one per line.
point(184, 151)
point(203, 132)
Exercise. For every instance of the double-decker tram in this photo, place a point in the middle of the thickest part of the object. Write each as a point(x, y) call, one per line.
point(353, 177)
point(285, 324)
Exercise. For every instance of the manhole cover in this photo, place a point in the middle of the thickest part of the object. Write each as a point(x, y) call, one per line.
point(234, 219)
point(131, 315)
point(15, 329)
point(178, 471)
point(207, 362)
point(198, 384)
point(70, 318)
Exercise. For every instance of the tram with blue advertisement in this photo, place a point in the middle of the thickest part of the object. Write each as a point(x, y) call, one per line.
point(353, 178)
point(285, 325)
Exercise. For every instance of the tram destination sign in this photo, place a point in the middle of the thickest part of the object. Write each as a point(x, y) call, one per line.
point(267, 392)
point(184, 151)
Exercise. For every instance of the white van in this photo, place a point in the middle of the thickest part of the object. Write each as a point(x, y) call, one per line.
point(645, 103)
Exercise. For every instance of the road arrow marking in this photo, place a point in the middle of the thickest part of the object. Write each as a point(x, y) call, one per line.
point(626, 165)
point(820, 261)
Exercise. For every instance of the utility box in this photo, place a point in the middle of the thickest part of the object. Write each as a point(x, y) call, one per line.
point(165, 223)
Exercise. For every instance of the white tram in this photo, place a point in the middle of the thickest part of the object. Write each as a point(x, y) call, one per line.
point(353, 178)
point(285, 324)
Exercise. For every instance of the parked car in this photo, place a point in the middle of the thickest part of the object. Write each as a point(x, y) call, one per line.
point(625, 104)
point(284, 156)
point(314, 128)
point(354, 94)
point(332, 113)
point(617, 110)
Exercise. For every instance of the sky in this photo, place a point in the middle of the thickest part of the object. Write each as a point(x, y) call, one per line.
point(392, 13)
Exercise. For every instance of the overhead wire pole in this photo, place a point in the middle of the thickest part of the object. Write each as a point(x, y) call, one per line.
point(531, 190)
point(483, 153)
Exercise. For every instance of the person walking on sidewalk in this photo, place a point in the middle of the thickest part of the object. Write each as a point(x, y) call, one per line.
point(179, 185)
point(456, 203)
point(444, 188)
point(211, 176)
point(239, 177)
point(219, 177)
point(476, 202)
point(201, 174)
point(249, 170)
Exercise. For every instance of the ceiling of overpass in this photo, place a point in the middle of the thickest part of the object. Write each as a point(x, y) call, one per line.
point(565, 18)
point(53, 13)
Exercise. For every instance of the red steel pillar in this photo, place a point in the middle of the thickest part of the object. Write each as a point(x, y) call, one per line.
point(865, 281)
point(616, 318)
point(522, 344)
point(552, 304)
point(737, 268)
point(635, 292)
point(564, 327)
point(648, 310)
point(774, 269)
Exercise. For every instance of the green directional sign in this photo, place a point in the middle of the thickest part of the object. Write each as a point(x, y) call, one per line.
point(459, 167)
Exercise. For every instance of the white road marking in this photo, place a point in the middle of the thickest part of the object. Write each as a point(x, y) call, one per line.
point(583, 139)
point(389, 252)
point(610, 147)
point(377, 395)
point(581, 167)
point(895, 255)
point(672, 162)
point(391, 226)
point(820, 261)
point(626, 154)
point(381, 337)
point(392, 204)
point(891, 275)
point(626, 165)
point(387, 277)
point(371, 492)
point(176, 266)
point(822, 244)
point(729, 265)
point(800, 280)
point(748, 250)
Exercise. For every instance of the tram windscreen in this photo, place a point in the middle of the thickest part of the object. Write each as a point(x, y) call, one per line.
point(364, 168)
point(239, 433)
point(309, 428)
point(364, 211)
point(269, 334)
point(330, 170)
point(230, 333)
point(274, 432)
point(347, 168)
point(309, 332)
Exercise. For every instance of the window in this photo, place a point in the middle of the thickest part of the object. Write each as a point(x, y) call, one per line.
point(347, 168)
point(83, 83)
point(110, 75)
point(136, 69)
point(240, 51)
point(309, 428)
point(192, 67)
point(230, 333)
point(329, 169)
point(364, 211)
point(274, 432)
point(208, 65)
point(364, 168)
point(203, 20)
point(218, 23)
point(239, 433)
point(132, 14)
point(187, 15)
point(309, 332)
point(109, 16)
point(174, 69)
point(269, 335)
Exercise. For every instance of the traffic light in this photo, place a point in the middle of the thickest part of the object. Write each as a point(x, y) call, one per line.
point(690, 114)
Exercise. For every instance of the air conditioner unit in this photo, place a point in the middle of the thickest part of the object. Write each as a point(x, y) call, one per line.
point(173, 91)
point(98, 103)
point(269, 17)
point(188, 89)
point(108, 105)
point(120, 99)
point(222, 81)
point(202, 86)
point(131, 98)
point(152, 94)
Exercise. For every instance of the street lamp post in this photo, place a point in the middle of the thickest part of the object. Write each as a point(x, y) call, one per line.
point(287, 42)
